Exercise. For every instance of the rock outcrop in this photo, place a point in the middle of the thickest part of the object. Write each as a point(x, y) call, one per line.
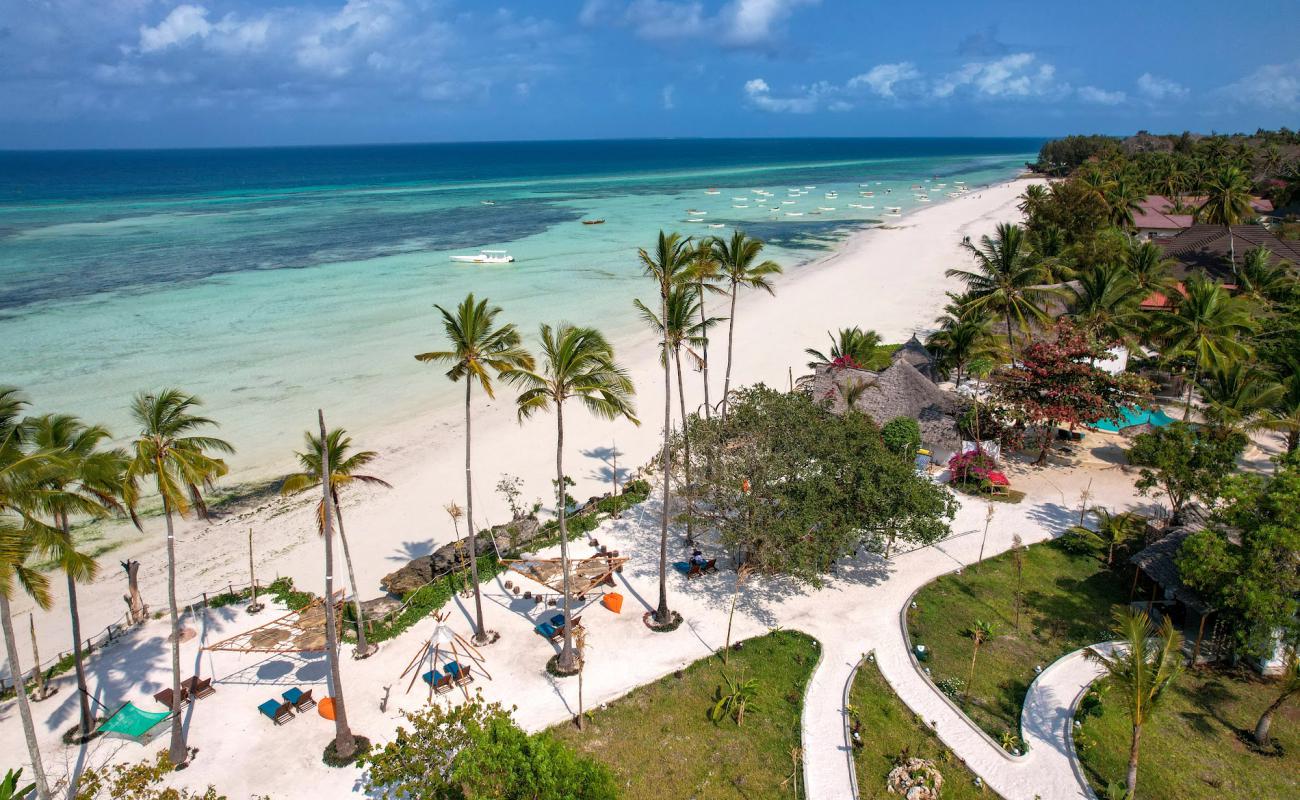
point(455, 555)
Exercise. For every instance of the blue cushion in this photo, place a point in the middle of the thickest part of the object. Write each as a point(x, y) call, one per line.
point(452, 668)
point(681, 566)
point(558, 620)
point(269, 708)
point(432, 676)
point(293, 695)
point(546, 629)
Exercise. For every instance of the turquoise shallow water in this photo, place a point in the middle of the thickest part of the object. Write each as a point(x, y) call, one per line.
point(271, 282)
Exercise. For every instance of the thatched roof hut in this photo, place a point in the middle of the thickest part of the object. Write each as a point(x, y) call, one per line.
point(915, 353)
point(899, 391)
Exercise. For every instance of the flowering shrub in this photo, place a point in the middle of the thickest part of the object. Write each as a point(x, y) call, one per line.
point(972, 466)
point(845, 362)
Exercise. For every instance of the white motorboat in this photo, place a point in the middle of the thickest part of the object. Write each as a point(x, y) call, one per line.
point(788, 202)
point(794, 213)
point(695, 212)
point(832, 195)
point(825, 208)
point(695, 219)
point(712, 191)
point(487, 202)
point(739, 206)
point(486, 257)
point(716, 225)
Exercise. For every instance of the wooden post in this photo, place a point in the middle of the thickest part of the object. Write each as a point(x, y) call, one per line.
point(1200, 633)
point(1133, 589)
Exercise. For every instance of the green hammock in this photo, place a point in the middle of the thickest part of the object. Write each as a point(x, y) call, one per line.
point(131, 721)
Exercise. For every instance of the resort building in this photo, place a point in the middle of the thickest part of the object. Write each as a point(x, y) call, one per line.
point(1208, 249)
point(1159, 217)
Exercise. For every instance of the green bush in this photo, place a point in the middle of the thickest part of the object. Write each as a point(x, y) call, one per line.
point(431, 597)
point(902, 435)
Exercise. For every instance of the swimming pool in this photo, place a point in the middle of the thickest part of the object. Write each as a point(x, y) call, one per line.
point(1132, 415)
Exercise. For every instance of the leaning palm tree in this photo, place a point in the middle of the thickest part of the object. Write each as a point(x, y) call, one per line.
point(1239, 396)
point(684, 333)
point(851, 347)
point(704, 275)
point(1144, 667)
point(578, 363)
point(1227, 203)
point(669, 266)
point(21, 472)
point(83, 480)
point(1288, 684)
point(1104, 302)
point(740, 268)
point(345, 470)
point(479, 347)
point(1207, 326)
point(182, 463)
point(1006, 280)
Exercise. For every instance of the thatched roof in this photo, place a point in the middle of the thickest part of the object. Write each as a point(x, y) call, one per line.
point(899, 391)
point(1159, 562)
point(914, 353)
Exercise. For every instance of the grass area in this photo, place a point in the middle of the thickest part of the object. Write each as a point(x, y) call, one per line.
point(1067, 601)
point(660, 743)
point(1190, 747)
point(890, 728)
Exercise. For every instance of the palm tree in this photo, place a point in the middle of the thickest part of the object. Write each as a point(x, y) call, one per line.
point(669, 266)
point(1143, 672)
point(705, 276)
point(1227, 203)
point(578, 363)
point(979, 633)
point(739, 267)
point(1105, 303)
point(1208, 325)
point(345, 744)
point(181, 463)
point(1035, 195)
point(851, 346)
point(1005, 280)
point(479, 346)
point(1285, 414)
point(82, 480)
point(956, 347)
point(1261, 279)
point(1148, 268)
point(20, 534)
point(1288, 685)
point(683, 333)
point(345, 467)
point(1123, 198)
point(1114, 530)
point(1238, 396)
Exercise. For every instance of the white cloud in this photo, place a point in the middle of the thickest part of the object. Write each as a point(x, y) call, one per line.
point(1091, 94)
point(739, 23)
point(882, 78)
point(754, 22)
point(806, 101)
point(1157, 88)
point(667, 97)
point(1015, 75)
point(185, 22)
point(1275, 86)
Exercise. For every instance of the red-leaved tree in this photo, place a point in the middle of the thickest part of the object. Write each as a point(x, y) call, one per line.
point(1057, 383)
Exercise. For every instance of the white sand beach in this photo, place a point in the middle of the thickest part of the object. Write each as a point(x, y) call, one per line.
point(889, 278)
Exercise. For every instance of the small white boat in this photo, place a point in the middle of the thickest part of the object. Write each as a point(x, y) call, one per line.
point(794, 213)
point(953, 194)
point(712, 191)
point(695, 212)
point(716, 225)
point(486, 257)
point(856, 205)
point(832, 195)
point(487, 202)
point(922, 199)
point(740, 206)
point(788, 202)
point(825, 208)
point(740, 199)
point(868, 206)
point(867, 194)
point(893, 208)
point(695, 219)
point(810, 187)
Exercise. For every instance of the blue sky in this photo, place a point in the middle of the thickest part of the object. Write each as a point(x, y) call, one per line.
point(146, 73)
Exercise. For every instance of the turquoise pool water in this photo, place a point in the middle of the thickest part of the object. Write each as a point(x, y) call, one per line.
point(1132, 415)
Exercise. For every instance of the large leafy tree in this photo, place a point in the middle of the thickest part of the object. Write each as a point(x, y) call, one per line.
point(345, 470)
point(1208, 326)
point(480, 346)
point(740, 268)
point(1007, 280)
point(1144, 664)
point(83, 480)
point(1058, 384)
point(1185, 463)
point(850, 347)
point(577, 364)
point(475, 751)
point(173, 454)
point(669, 266)
point(792, 487)
point(21, 534)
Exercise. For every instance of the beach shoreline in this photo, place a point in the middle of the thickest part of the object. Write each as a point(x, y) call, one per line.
point(862, 282)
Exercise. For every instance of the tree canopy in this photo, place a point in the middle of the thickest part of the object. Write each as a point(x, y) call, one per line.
point(1185, 463)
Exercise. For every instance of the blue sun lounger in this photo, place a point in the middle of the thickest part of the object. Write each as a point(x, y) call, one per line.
point(276, 711)
point(440, 683)
point(546, 629)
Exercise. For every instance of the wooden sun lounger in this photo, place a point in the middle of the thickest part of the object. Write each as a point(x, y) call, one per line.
point(279, 713)
point(198, 689)
point(441, 683)
point(166, 697)
point(301, 700)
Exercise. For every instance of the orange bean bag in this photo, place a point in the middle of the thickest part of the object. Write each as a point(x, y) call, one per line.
point(614, 602)
point(326, 707)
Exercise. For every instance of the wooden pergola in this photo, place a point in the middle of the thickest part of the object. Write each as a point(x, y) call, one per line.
point(301, 631)
point(584, 574)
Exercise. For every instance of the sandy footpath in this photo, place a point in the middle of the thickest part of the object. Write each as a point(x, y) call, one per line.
point(889, 278)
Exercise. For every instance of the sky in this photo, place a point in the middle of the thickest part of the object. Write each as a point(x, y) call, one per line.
point(199, 73)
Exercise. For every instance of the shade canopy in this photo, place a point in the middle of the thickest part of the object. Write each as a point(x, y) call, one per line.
point(132, 721)
point(301, 631)
point(584, 574)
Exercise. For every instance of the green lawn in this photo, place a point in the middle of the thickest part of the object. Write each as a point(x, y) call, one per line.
point(661, 745)
point(889, 728)
point(1190, 749)
point(1067, 605)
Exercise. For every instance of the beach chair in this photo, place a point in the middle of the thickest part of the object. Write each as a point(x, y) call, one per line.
point(712, 566)
point(694, 571)
point(198, 689)
point(300, 700)
point(546, 630)
point(458, 673)
point(166, 697)
point(440, 683)
point(277, 712)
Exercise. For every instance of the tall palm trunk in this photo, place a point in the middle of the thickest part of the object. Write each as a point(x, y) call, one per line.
point(686, 445)
point(1232, 249)
point(662, 614)
point(704, 361)
point(1187, 406)
point(363, 649)
point(20, 691)
point(344, 742)
point(177, 751)
point(731, 332)
point(1131, 781)
point(568, 659)
point(83, 692)
point(1266, 719)
point(480, 633)
point(1011, 343)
